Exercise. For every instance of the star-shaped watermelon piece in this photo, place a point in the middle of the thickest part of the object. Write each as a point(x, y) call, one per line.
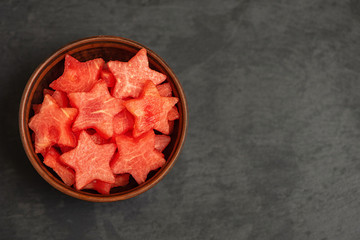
point(52, 125)
point(90, 161)
point(97, 109)
point(137, 156)
point(131, 76)
point(150, 110)
point(59, 97)
point(78, 76)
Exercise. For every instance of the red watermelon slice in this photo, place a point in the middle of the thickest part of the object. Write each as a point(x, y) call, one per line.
point(123, 122)
point(164, 90)
point(90, 161)
point(121, 180)
point(161, 142)
point(99, 186)
point(61, 99)
point(104, 187)
point(65, 149)
point(52, 125)
point(173, 114)
point(97, 109)
point(51, 159)
point(108, 77)
point(137, 156)
point(150, 110)
point(98, 139)
point(78, 76)
point(48, 91)
point(131, 76)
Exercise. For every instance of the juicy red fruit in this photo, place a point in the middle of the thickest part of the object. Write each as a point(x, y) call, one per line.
point(161, 142)
point(51, 159)
point(78, 76)
point(108, 77)
point(52, 125)
point(123, 122)
point(90, 161)
point(164, 90)
point(137, 156)
point(104, 187)
point(96, 109)
point(150, 110)
point(131, 76)
point(61, 98)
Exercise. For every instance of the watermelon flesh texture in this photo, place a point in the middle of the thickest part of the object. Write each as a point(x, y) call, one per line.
point(97, 109)
point(99, 186)
point(108, 77)
point(137, 156)
point(78, 76)
point(66, 174)
point(61, 99)
point(65, 149)
point(173, 114)
point(90, 161)
point(131, 76)
point(52, 125)
point(123, 122)
point(165, 89)
point(161, 142)
point(48, 91)
point(104, 188)
point(150, 110)
point(98, 139)
point(121, 180)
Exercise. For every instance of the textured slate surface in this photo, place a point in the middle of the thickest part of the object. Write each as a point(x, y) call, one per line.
point(273, 147)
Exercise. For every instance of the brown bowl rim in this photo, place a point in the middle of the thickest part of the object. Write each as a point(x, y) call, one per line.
point(49, 177)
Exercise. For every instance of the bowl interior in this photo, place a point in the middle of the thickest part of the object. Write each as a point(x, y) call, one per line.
point(108, 48)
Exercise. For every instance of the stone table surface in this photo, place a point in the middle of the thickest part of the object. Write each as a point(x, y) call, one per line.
point(273, 145)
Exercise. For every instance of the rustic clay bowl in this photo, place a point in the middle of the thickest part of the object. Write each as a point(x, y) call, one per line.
point(108, 48)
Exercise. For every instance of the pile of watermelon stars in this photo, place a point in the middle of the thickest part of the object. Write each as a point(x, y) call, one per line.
point(103, 122)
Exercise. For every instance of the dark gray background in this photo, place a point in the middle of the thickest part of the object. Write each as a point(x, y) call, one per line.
point(273, 145)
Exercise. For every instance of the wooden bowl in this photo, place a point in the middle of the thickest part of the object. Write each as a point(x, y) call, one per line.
point(108, 48)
